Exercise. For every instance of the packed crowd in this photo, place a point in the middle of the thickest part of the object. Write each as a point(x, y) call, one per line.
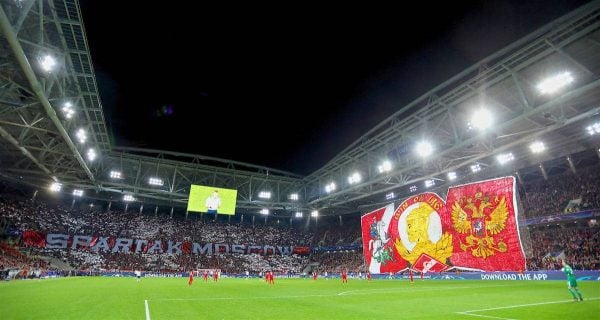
point(552, 196)
point(37, 215)
point(578, 246)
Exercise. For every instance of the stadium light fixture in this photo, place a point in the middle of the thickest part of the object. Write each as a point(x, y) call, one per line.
point(475, 168)
point(116, 175)
point(264, 211)
point(264, 195)
point(424, 149)
point(67, 110)
point(593, 128)
point(385, 166)
point(354, 178)
point(330, 187)
point(553, 84)
point(298, 214)
point(155, 181)
point(505, 158)
point(91, 154)
point(389, 196)
point(451, 175)
point(429, 183)
point(413, 188)
point(314, 213)
point(81, 135)
point(537, 147)
point(47, 63)
point(55, 187)
point(294, 197)
point(128, 198)
point(481, 119)
point(78, 192)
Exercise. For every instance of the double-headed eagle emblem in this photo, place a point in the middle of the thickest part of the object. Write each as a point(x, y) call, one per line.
point(469, 217)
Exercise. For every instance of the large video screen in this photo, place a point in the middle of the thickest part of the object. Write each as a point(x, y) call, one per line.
point(212, 200)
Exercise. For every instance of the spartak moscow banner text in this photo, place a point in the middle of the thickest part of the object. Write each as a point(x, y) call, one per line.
point(476, 228)
point(112, 244)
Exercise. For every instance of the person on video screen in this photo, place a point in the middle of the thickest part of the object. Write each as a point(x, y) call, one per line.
point(213, 202)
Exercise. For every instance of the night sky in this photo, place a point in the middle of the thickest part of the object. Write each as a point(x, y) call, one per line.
point(290, 86)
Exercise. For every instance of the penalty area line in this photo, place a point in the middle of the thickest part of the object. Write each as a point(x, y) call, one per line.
point(147, 310)
point(473, 312)
point(483, 316)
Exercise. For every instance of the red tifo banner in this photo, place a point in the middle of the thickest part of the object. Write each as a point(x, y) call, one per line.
point(34, 238)
point(475, 229)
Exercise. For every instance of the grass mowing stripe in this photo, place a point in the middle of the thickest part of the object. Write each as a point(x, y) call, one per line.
point(344, 293)
point(411, 289)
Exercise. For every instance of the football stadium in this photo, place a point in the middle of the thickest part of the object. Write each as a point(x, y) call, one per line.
point(477, 198)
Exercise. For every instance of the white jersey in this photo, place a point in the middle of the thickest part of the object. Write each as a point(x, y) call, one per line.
point(213, 202)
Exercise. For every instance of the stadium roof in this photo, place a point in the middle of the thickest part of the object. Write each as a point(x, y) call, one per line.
point(40, 142)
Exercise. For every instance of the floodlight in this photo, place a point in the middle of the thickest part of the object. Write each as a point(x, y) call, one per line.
point(451, 175)
point(91, 154)
point(264, 211)
point(67, 110)
point(330, 187)
point(115, 175)
point(81, 135)
point(481, 119)
point(128, 198)
point(429, 183)
point(155, 181)
point(55, 187)
point(413, 188)
point(505, 157)
point(78, 192)
point(555, 83)
point(424, 149)
point(537, 147)
point(47, 63)
point(475, 168)
point(314, 213)
point(354, 178)
point(294, 196)
point(593, 129)
point(385, 166)
point(389, 196)
point(298, 214)
point(264, 195)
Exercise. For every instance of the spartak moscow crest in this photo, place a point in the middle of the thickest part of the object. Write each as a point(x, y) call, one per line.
point(481, 218)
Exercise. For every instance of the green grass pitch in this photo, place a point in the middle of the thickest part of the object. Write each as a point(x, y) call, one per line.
point(171, 298)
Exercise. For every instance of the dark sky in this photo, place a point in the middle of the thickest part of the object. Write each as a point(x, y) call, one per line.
point(290, 86)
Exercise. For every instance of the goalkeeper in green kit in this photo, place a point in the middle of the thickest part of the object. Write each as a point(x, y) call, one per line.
point(572, 282)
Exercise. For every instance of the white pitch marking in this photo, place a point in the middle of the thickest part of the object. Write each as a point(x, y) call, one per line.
point(147, 310)
point(483, 316)
point(528, 305)
point(472, 312)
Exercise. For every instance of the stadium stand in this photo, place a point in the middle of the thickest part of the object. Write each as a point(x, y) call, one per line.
point(577, 240)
